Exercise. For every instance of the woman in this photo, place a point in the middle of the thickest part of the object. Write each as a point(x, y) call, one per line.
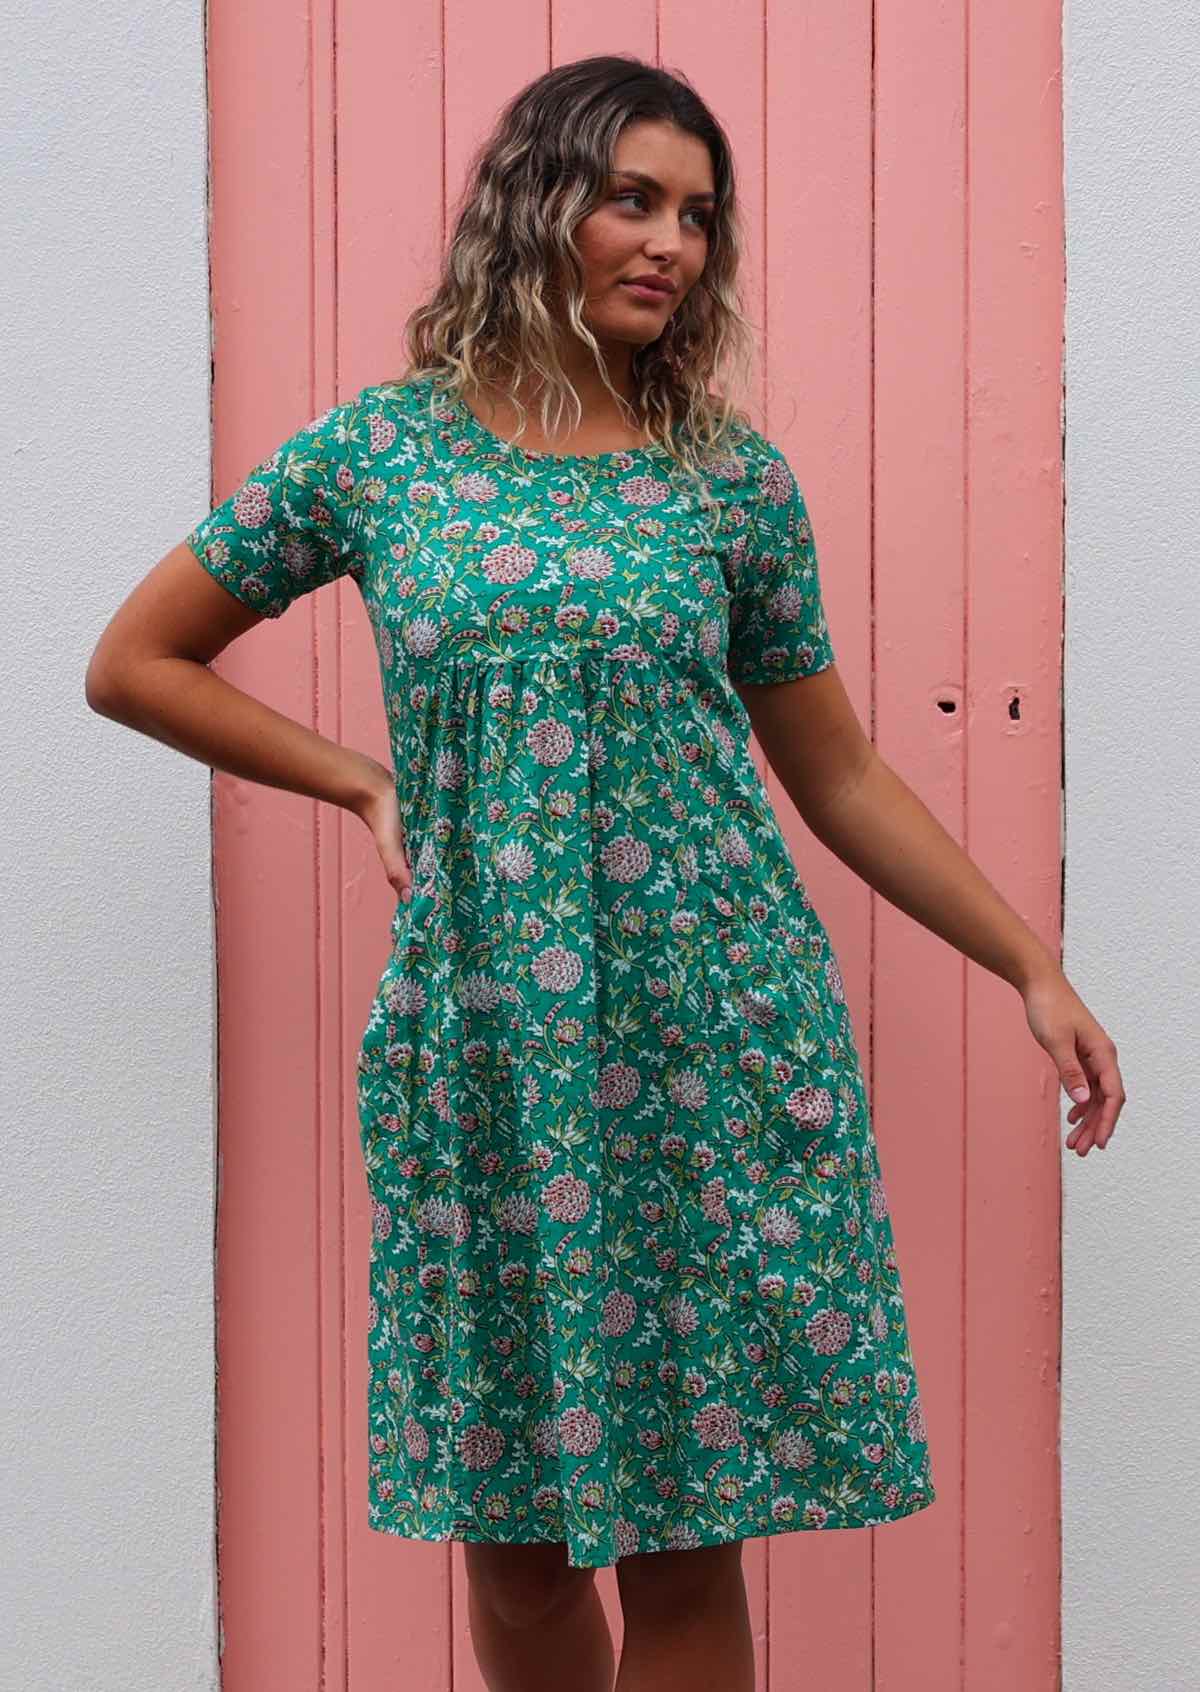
point(634, 1295)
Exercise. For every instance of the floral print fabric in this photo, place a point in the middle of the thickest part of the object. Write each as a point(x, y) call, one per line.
point(633, 1284)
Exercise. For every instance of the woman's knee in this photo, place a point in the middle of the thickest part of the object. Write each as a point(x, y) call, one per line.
point(661, 1581)
point(523, 1585)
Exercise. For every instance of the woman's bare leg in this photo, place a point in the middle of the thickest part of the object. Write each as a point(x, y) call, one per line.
point(537, 1625)
point(686, 1621)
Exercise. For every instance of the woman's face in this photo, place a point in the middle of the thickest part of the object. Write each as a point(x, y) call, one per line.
point(652, 222)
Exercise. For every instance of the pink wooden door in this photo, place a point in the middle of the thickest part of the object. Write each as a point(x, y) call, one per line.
point(901, 183)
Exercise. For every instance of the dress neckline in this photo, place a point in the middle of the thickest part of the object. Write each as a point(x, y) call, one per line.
point(467, 419)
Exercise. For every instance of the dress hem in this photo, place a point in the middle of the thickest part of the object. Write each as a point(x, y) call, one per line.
point(471, 1535)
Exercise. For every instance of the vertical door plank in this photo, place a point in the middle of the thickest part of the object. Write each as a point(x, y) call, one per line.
point(266, 384)
point(818, 344)
point(1012, 638)
point(388, 101)
point(919, 476)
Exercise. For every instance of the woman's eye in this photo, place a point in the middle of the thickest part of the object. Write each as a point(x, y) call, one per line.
point(695, 211)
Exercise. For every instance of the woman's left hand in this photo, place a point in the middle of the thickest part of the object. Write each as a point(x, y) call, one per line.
point(1085, 1057)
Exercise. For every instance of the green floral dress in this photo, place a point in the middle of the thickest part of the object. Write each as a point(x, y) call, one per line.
point(633, 1284)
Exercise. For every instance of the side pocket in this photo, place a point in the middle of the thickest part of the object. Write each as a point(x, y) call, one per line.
point(368, 1061)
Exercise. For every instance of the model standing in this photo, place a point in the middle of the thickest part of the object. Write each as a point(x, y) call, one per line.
point(634, 1291)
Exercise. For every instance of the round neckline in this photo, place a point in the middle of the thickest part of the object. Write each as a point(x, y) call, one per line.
point(510, 449)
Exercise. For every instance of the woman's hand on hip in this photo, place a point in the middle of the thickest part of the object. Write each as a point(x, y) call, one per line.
point(379, 808)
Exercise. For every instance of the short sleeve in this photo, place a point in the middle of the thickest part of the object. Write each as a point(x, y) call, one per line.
point(285, 531)
point(777, 627)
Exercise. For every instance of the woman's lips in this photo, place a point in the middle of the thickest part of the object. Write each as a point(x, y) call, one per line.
point(643, 293)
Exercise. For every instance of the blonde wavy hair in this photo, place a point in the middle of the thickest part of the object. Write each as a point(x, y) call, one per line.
point(511, 273)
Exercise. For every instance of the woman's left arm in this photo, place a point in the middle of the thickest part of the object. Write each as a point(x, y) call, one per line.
point(859, 808)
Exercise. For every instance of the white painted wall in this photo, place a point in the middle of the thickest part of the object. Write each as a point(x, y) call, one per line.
point(107, 1107)
point(1131, 1249)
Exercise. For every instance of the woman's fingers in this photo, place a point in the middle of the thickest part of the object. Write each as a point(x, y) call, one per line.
point(1095, 1120)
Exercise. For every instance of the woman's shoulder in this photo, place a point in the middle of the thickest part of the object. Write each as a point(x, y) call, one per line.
point(406, 391)
point(741, 457)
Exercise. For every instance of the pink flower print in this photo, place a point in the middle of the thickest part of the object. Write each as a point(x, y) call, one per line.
point(786, 603)
point(777, 482)
point(689, 1090)
point(551, 742)
point(783, 1508)
point(567, 1198)
point(792, 1449)
point(416, 1439)
point(619, 1312)
point(811, 1107)
point(544, 1437)
point(404, 996)
point(478, 991)
point(717, 1427)
point(579, 1431)
point(570, 618)
point(381, 431)
point(509, 563)
point(449, 769)
point(724, 466)
point(780, 1226)
point(591, 564)
point(735, 848)
point(422, 636)
point(618, 1087)
point(828, 1331)
point(644, 490)
point(252, 507)
point(681, 1315)
point(517, 1214)
point(474, 484)
point(448, 1221)
point(557, 969)
point(712, 1202)
point(480, 1446)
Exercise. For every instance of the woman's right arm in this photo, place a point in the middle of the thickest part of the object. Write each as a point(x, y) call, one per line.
point(150, 671)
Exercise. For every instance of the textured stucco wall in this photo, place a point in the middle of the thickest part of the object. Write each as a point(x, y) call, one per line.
point(1131, 1475)
point(107, 989)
